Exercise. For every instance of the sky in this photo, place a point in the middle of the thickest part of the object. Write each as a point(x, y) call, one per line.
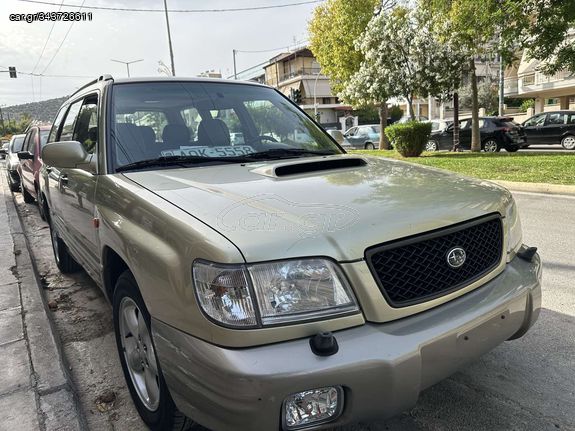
point(201, 41)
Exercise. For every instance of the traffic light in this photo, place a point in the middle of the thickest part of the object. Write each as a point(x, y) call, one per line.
point(12, 71)
point(295, 95)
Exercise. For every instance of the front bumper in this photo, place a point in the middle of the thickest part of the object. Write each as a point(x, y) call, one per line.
point(382, 367)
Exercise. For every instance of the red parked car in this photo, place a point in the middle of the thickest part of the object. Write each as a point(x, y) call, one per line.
point(31, 162)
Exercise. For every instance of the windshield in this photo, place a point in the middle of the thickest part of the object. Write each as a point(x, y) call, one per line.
point(17, 144)
point(208, 120)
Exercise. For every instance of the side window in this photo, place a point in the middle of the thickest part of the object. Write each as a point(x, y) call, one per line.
point(536, 121)
point(86, 128)
point(482, 123)
point(556, 118)
point(70, 121)
point(571, 119)
point(57, 123)
point(352, 131)
point(32, 141)
point(26, 142)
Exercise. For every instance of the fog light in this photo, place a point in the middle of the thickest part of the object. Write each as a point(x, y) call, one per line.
point(312, 407)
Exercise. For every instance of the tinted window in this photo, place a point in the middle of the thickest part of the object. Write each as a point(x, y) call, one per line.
point(68, 127)
point(571, 119)
point(538, 120)
point(17, 144)
point(32, 142)
point(56, 125)
point(43, 137)
point(266, 120)
point(86, 128)
point(556, 118)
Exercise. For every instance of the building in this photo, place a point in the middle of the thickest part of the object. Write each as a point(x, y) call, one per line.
point(210, 74)
point(550, 93)
point(298, 75)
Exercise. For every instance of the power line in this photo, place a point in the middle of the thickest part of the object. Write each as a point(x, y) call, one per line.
point(51, 75)
point(125, 9)
point(47, 39)
point(63, 40)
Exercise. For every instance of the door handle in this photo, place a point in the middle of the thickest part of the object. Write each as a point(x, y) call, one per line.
point(64, 180)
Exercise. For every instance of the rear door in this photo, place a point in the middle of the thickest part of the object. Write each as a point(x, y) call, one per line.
point(555, 126)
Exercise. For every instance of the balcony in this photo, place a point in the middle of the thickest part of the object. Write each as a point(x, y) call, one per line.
point(303, 71)
point(537, 83)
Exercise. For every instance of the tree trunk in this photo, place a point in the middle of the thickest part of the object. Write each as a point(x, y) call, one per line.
point(475, 137)
point(410, 107)
point(383, 141)
point(455, 122)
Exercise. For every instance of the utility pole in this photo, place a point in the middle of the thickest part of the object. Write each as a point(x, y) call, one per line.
point(169, 39)
point(235, 70)
point(127, 63)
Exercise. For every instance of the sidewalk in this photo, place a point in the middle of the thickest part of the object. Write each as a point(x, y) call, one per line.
point(35, 390)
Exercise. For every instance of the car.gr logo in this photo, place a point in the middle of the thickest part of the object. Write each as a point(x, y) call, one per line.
point(456, 257)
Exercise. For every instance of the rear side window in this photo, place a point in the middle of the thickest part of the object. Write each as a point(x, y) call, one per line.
point(556, 118)
point(69, 123)
point(57, 123)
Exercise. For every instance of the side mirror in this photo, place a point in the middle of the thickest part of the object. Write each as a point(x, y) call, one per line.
point(66, 154)
point(25, 155)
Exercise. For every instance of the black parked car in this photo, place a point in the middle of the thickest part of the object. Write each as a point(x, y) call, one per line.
point(551, 128)
point(496, 133)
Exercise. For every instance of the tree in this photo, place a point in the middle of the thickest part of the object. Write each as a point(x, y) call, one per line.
point(487, 96)
point(403, 58)
point(544, 29)
point(333, 29)
point(476, 25)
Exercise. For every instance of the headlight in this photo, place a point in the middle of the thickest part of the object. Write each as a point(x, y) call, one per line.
point(513, 230)
point(280, 292)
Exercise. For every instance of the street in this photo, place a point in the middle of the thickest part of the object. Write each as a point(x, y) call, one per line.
point(527, 384)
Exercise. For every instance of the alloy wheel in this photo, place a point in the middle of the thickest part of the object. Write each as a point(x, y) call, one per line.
point(568, 142)
point(431, 146)
point(139, 354)
point(490, 146)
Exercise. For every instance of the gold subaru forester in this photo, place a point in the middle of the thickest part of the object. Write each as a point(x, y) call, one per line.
point(271, 281)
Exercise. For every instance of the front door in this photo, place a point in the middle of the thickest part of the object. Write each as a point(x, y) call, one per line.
point(77, 187)
point(534, 129)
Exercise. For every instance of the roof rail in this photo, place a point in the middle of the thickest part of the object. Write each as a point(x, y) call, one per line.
point(105, 77)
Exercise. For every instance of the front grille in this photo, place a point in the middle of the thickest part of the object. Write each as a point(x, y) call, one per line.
point(416, 269)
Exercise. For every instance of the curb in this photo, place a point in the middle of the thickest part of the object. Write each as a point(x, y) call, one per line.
point(553, 189)
point(56, 396)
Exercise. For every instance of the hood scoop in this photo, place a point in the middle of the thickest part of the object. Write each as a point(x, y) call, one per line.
point(298, 168)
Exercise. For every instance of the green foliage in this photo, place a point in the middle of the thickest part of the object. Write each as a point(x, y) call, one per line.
point(14, 127)
point(367, 114)
point(526, 104)
point(488, 96)
point(395, 113)
point(409, 138)
point(333, 29)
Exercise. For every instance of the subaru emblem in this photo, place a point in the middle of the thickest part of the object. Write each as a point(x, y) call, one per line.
point(456, 257)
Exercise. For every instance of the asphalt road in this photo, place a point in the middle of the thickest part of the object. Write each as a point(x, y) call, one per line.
point(527, 384)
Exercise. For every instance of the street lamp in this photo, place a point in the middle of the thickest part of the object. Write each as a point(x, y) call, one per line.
point(315, 96)
point(127, 63)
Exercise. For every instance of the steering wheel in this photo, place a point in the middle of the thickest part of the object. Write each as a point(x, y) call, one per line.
point(267, 138)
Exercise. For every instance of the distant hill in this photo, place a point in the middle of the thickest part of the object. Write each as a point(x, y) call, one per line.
point(43, 111)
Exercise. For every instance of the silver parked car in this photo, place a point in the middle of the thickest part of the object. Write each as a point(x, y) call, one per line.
point(12, 161)
point(278, 284)
point(365, 137)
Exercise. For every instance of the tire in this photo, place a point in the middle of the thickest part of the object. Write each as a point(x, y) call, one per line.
point(13, 186)
point(41, 207)
point(568, 142)
point(369, 146)
point(431, 145)
point(28, 198)
point(64, 261)
point(491, 146)
point(138, 358)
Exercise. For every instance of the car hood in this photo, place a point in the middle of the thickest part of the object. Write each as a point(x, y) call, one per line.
point(336, 213)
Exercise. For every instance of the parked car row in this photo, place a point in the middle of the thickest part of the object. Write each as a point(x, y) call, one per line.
point(276, 284)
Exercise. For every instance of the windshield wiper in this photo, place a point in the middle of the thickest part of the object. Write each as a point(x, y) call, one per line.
point(288, 153)
point(182, 161)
